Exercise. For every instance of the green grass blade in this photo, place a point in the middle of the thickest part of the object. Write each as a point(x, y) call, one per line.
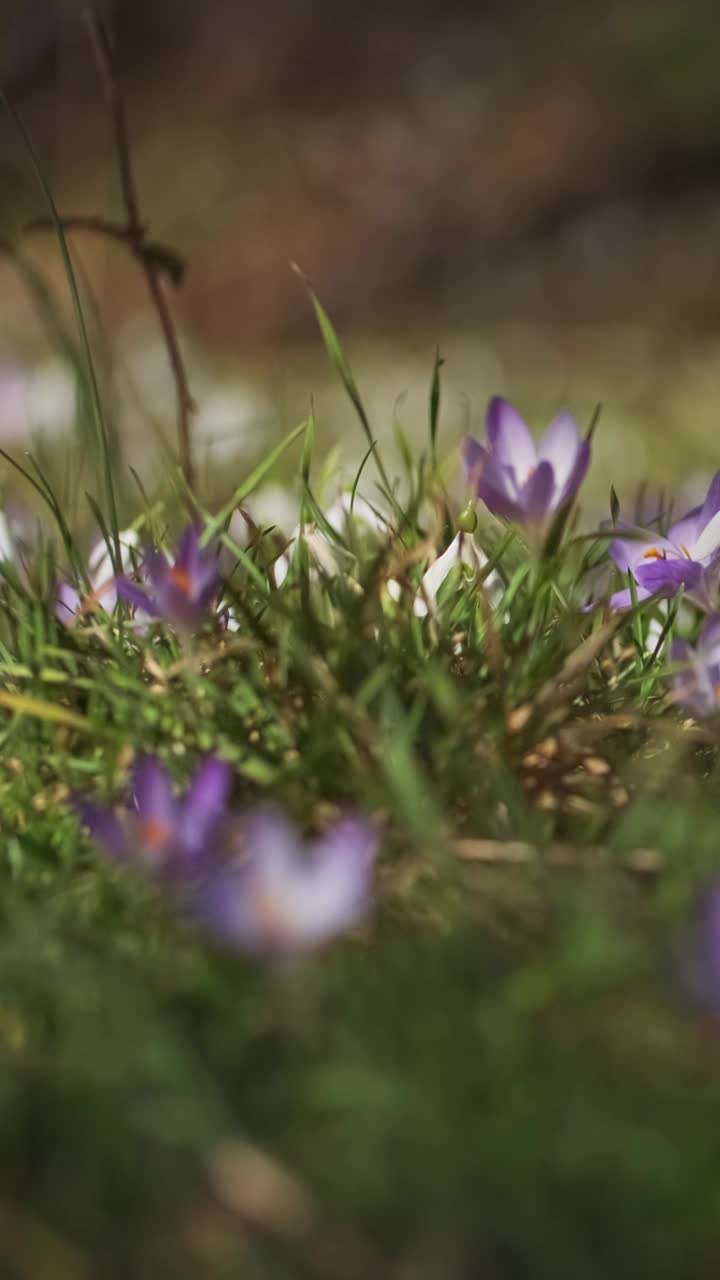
point(435, 388)
point(246, 488)
point(102, 436)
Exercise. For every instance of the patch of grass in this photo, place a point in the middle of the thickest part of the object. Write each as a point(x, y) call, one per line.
point(498, 1074)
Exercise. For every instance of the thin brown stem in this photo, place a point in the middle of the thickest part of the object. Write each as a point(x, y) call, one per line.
point(105, 58)
point(167, 261)
point(156, 261)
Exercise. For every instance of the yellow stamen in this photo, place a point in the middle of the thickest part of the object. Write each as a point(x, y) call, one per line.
point(684, 549)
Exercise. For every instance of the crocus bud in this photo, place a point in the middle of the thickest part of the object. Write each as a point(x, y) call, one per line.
point(467, 520)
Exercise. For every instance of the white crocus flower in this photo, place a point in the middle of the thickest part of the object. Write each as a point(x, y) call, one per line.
point(100, 566)
point(7, 546)
point(330, 556)
point(70, 605)
point(462, 550)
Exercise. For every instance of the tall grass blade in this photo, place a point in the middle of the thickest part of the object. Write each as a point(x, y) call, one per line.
point(102, 436)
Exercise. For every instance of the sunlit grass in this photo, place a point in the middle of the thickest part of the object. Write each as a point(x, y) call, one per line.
point(498, 1071)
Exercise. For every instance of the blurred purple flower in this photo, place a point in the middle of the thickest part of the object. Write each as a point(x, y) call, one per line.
point(181, 592)
point(697, 685)
point(687, 558)
point(166, 835)
point(519, 480)
point(68, 604)
point(280, 897)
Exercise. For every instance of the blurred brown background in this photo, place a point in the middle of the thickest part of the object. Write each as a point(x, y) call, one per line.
point(534, 187)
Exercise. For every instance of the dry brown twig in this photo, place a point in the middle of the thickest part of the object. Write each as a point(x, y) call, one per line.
point(158, 262)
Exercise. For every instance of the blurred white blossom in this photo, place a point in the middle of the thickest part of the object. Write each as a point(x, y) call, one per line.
point(39, 400)
point(463, 550)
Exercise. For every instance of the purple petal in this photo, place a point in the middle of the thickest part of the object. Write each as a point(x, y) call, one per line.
point(189, 556)
point(626, 553)
point(269, 836)
point(205, 803)
point(184, 590)
point(707, 544)
point(105, 826)
point(666, 577)
point(283, 899)
point(700, 964)
point(694, 691)
point(630, 552)
point(509, 438)
point(624, 599)
point(560, 446)
point(494, 484)
point(685, 532)
point(175, 605)
point(155, 567)
point(710, 639)
point(577, 474)
point(67, 603)
point(695, 685)
point(475, 458)
point(248, 904)
point(153, 792)
point(710, 928)
point(227, 905)
point(680, 650)
point(497, 501)
point(334, 892)
point(354, 841)
point(538, 493)
point(711, 505)
point(206, 581)
point(134, 595)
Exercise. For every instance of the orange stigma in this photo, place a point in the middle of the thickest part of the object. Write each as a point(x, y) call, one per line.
point(154, 833)
point(181, 579)
point(271, 913)
point(654, 554)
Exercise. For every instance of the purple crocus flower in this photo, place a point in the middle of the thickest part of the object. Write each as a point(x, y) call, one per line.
point(687, 557)
point(181, 592)
point(280, 897)
point(697, 685)
point(522, 481)
point(167, 835)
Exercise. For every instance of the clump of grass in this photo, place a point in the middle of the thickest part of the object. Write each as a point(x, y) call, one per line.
point(500, 1071)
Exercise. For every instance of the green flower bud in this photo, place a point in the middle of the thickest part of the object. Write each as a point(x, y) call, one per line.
point(467, 520)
